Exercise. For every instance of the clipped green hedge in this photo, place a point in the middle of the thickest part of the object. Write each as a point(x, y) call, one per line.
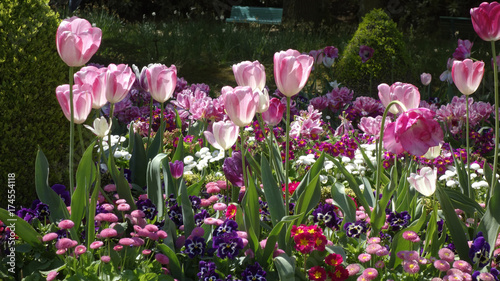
point(30, 71)
point(390, 62)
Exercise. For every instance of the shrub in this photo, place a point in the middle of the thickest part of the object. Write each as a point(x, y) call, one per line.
point(390, 62)
point(31, 116)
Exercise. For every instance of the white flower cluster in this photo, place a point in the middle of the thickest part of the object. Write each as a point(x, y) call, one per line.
point(476, 175)
point(119, 151)
point(204, 157)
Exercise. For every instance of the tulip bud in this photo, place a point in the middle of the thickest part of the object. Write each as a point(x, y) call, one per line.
point(425, 78)
point(467, 75)
point(82, 102)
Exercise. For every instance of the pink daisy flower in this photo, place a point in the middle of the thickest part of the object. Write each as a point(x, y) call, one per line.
point(364, 258)
point(442, 265)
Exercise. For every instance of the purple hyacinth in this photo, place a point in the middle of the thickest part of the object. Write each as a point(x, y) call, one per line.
point(325, 214)
point(355, 229)
point(479, 251)
point(228, 245)
point(253, 272)
point(195, 246)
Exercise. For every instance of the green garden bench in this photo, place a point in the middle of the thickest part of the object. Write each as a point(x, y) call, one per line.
point(262, 15)
point(452, 25)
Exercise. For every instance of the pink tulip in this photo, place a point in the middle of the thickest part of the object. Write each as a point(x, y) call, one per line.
point(330, 54)
point(119, 80)
point(96, 78)
point(407, 94)
point(161, 81)
point(425, 181)
point(241, 104)
point(250, 74)
point(274, 113)
point(224, 134)
point(467, 75)
point(425, 78)
point(371, 126)
point(414, 131)
point(77, 41)
point(486, 21)
point(82, 102)
point(291, 71)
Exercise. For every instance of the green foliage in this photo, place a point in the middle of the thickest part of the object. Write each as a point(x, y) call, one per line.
point(390, 62)
point(31, 116)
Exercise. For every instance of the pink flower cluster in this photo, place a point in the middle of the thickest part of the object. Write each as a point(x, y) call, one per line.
point(307, 124)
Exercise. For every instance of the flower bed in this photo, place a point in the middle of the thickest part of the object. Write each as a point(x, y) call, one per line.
point(249, 185)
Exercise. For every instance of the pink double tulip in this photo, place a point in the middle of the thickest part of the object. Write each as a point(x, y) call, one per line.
point(96, 79)
point(161, 81)
point(119, 80)
point(291, 71)
point(241, 104)
point(425, 181)
point(486, 21)
point(467, 75)
point(77, 41)
point(414, 131)
point(406, 93)
point(274, 113)
point(82, 102)
point(253, 74)
point(224, 134)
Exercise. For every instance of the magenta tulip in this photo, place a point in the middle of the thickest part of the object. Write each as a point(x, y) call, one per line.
point(82, 102)
point(241, 104)
point(407, 94)
point(414, 131)
point(291, 71)
point(224, 134)
point(96, 79)
point(119, 80)
point(486, 21)
point(250, 74)
point(161, 81)
point(274, 113)
point(77, 41)
point(467, 75)
point(425, 78)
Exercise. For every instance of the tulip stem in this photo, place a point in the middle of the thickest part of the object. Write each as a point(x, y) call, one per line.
point(287, 195)
point(494, 180)
point(111, 109)
point(470, 194)
point(150, 121)
point(71, 132)
point(162, 127)
point(242, 150)
point(379, 143)
point(82, 145)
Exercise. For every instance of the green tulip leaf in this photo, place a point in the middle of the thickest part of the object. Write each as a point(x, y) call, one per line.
point(273, 193)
